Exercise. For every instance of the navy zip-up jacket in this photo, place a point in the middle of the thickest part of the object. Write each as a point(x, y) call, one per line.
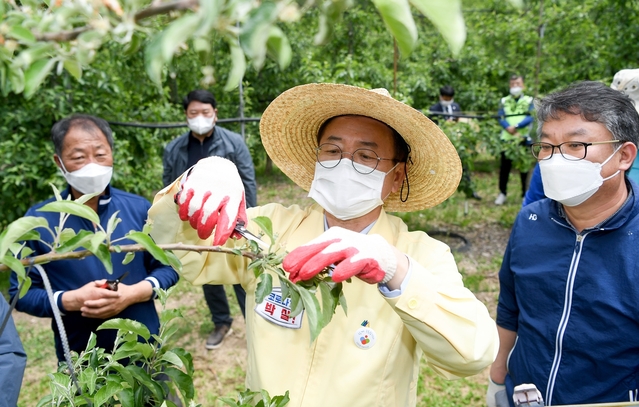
point(67, 275)
point(573, 299)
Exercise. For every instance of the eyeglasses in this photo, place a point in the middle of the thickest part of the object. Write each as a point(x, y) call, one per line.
point(570, 150)
point(330, 155)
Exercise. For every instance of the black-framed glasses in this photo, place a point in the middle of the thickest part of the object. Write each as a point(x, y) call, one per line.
point(330, 155)
point(570, 150)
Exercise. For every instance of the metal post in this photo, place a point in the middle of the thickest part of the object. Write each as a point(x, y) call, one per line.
point(241, 88)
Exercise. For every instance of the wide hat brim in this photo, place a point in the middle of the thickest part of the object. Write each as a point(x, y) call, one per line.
point(290, 124)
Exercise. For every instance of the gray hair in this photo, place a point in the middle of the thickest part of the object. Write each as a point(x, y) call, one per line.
point(594, 102)
point(85, 122)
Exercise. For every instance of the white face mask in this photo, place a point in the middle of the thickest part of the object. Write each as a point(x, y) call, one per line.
point(516, 90)
point(90, 179)
point(344, 192)
point(571, 182)
point(200, 124)
point(446, 103)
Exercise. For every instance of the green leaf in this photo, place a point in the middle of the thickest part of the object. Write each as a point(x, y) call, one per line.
point(280, 401)
point(264, 287)
point(124, 373)
point(399, 21)
point(47, 400)
point(86, 197)
point(328, 302)
point(73, 67)
point(103, 254)
point(25, 287)
point(88, 376)
point(342, 299)
point(447, 17)
point(19, 228)
point(255, 32)
point(128, 258)
point(92, 342)
point(153, 61)
point(73, 208)
point(15, 265)
point(172, 358)
point(133, 46)
point(278, 47)
point(266, 225)
point(284, 286)
point(65, 234)
point(174, 261)
point(145, 241)
point(145, 349)
point(145, 379)
point(76, 241)
point(30, 235)
point(21, 33)
point(96, 240)
point(56, 192)
point(313, 315)
point(127, 325)
point(106, 393)
point(36, 52)
point(36, 74)
point(101, 250)
point(201, 44)
point(169, 314)
point(25, 252)
point(297, 306)
point(146, 229)
point(126, 398)
point(186, 358)
point(16, 79)
point(238, 67)
point(183, 381)
point(178, 32)
point(112, 224)
point(331, 14)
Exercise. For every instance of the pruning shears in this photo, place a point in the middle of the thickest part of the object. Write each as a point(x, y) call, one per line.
point(244, 232)
point(113, 284)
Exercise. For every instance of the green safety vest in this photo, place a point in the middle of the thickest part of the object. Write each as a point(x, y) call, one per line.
point(518, 107)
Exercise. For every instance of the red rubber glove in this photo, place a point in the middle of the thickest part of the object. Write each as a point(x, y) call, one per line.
point(212, 197)
point(369, 257)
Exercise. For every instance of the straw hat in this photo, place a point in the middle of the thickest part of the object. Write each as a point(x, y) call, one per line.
point(290, 124)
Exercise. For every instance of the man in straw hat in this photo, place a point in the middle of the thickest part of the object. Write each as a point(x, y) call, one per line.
point(359, 153)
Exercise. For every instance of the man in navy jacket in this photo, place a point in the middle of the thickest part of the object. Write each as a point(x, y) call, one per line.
point(83, 151)
point(567, 314)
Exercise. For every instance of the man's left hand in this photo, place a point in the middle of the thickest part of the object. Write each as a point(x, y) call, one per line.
point(368, 257)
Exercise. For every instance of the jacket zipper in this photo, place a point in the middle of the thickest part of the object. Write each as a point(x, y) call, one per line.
point(563, 323)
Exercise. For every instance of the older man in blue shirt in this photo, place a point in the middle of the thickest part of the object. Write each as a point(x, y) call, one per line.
point(83, 152)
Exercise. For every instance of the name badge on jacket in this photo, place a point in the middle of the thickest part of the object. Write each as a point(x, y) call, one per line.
point(277, 310)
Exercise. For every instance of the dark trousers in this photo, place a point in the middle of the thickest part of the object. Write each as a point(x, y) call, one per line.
point(215, 297)
point(504, 171)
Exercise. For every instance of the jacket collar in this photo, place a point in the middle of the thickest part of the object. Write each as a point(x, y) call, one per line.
point(628, 210)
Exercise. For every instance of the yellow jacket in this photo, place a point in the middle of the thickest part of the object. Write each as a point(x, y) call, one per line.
point(435, 315)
